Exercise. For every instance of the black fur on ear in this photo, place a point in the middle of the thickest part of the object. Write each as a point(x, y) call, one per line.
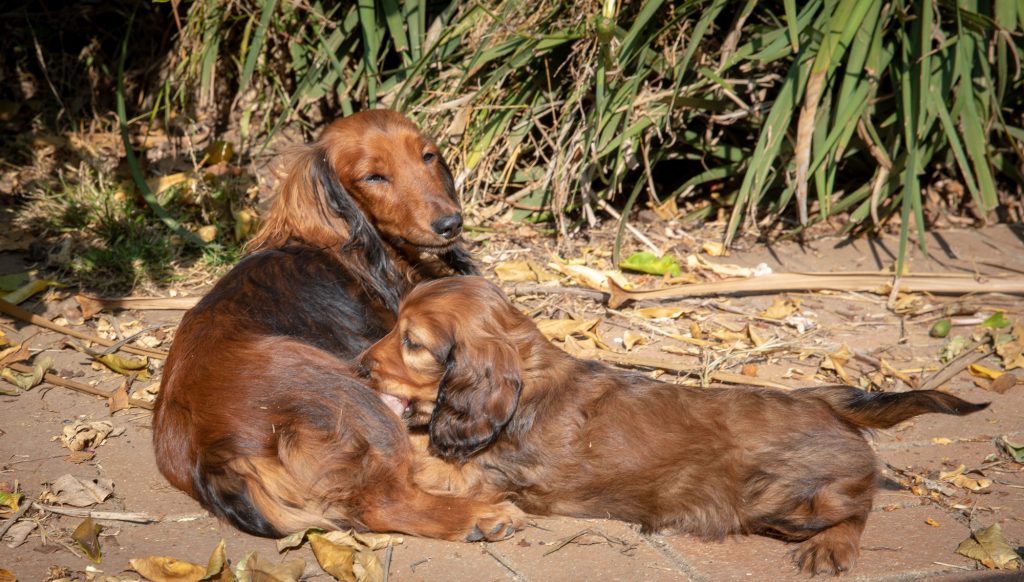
point(384, 280)
point(477, 397)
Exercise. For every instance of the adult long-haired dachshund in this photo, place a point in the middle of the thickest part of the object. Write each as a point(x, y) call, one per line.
point(260, 415)
point(513, 414)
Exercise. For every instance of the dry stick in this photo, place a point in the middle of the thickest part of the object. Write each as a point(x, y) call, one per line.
point(632, 229)
point(10, 522)
point(16, 312)
point(647, 362)
point(106, 515)
point(79, 387)
point(955, 366)
point(92, 305)
point(529, 289)
point(824, 281)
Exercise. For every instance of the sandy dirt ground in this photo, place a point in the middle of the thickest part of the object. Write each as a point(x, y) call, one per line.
point(913, 533)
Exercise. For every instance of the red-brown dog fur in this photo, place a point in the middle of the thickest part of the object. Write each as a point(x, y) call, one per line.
point(512, 414)
point(260, 416)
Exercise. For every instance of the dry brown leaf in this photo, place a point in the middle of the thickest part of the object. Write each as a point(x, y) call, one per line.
point(71, 490)
point(119, 399)
point(19, 532)
point(836, 361)
point(755, 337)
point(82, 435)
point(715, 249)
point(632, 338)
point(28, 381)
point(167, 569)
point(989, 547)
point(589, 277)
point(932, 522)
point(1012, 351)
point(252, 568)
point(1003, 383)
point(782, 308)
point(959, 479)
point(15, 354)
point(349, 556)
point(660, 312)
point(695, 262)
point(559, 329)
point(514, 272)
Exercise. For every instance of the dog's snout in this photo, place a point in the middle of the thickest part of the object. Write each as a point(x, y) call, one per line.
point(449, 226)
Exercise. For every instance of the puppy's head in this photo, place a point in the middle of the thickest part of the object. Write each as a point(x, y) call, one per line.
point(454, 362)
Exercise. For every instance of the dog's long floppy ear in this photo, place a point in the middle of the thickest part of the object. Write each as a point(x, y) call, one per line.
point(478, 395)
point(363, 236)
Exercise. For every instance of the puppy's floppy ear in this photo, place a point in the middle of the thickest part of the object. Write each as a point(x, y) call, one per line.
point(477, 397)
point(363, 236)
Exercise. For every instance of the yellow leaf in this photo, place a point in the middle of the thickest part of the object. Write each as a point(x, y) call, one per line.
point(932, 522)
point(941, 441)
point(252, 568)
point(29, 289)
point(349, 556)
point(781, 308)
point(632, 338)
point(983, 372)
point(989, 547)
point(217, 566)
point(160, 183)
point(124, 365)
point(715, 249)
point(167, 569)
point(958, 478)
point(660, 312)
point(514, 272)
point(87, 535)
point(589, 277)
point(559, 329)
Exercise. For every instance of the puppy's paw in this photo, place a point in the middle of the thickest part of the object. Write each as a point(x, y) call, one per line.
point(498, 524)
point(827, 553)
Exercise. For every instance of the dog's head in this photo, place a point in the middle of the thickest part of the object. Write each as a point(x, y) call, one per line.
point(370, 177)
point(454, 361)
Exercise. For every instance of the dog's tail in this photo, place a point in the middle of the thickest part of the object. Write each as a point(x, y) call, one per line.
point(886, 409)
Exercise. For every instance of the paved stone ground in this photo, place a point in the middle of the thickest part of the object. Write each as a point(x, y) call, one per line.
point(907, 538)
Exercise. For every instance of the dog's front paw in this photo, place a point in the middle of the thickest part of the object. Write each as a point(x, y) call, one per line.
point(497, 525)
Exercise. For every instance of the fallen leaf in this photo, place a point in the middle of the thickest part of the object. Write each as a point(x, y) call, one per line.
point(19, 532)
point(86, 435)
point(349, 556)
point(996, 321)
point(70, 490)
point(932, 522)
point(989, 547)
point(10, 499)
point(694, 262)
point(660, 312)
point(7, 576)
point(29, 381)
point(715, 249)
point(12, 281)
point(15, 354)
point(252, 568)
point(125, 365)
point(755, 337)
point(87, 534)
point(27, 290)
point(1011, 349)
point(160, 183)
point(514, 272)
point(1015, 450)
point(646, 262)
point(953, 348)
point(781, 308)
point(589, 277)
point(167, 569)
point(958, 478)
point(79, 457)
point(983, 372)
point(559, 329)
point(119, 399)
point(836, 361)
point(217, 569)
point(632, 338)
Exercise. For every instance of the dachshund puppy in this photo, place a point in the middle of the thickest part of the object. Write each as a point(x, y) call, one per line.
point(261, 417)
point(514, 415)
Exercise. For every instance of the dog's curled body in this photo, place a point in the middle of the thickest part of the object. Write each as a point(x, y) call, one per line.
point(261, 416)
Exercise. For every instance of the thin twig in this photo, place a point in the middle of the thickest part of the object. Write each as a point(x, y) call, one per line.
point(955, 366)
point(16, 312)
point(520, 289)
point(104, 515)
point(632, 229)
point(10, 522)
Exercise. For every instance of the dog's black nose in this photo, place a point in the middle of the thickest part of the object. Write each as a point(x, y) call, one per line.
point(449, 227)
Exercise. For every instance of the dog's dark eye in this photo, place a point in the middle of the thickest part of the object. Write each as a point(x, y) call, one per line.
point(375, 179)
point(429, 157)
point(409, 343)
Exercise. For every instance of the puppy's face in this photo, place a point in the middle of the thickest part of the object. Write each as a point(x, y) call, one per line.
point(407, 364)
